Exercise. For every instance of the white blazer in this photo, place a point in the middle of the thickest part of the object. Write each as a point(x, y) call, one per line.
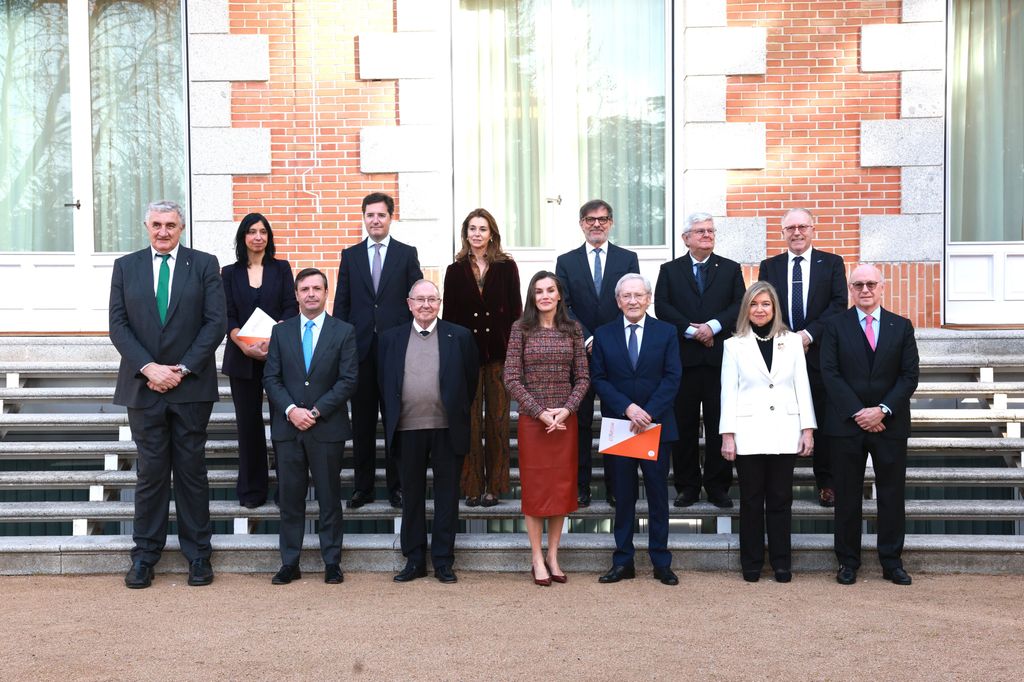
point(765, 410)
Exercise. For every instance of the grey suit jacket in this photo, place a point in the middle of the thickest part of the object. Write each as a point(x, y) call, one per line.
point(190, 335)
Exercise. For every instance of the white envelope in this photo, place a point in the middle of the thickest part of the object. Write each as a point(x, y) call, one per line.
point(257, 328)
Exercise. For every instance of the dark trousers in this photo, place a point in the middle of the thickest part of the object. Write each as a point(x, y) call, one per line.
point(366, 405)
point(417, 449)
point(626, 491)
point(766, 499)
point(253, 482)
point(171, 437)
point(822, 457)
point(889, 457)
point(700, 387)
point(297, 461)
point(585, 428)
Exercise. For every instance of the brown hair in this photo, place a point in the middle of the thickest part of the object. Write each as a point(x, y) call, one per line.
point(530, 321)
point(494, 252)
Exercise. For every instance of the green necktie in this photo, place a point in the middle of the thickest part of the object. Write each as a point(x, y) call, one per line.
point(163, 283)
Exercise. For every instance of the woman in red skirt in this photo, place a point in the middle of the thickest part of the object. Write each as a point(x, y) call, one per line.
point(546, 373)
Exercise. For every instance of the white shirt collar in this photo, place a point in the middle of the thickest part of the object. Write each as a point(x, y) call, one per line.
point(318, 321)
point(641, 323)
point(806, 255)
point(418, 328)
point(173, 252)
point(383, 242)
point(874, 314)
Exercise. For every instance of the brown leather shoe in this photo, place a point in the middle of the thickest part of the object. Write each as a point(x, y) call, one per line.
point(827, 497)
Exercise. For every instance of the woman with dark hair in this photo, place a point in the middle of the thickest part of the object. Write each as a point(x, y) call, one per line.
point(767, 420)
point(255, 280)
point(481, 293)
point(546, 373)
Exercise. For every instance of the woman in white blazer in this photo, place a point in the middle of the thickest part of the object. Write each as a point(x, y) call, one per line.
point(767, 420)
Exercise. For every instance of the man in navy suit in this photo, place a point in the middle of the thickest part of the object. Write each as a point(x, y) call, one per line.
point(812, 288)
point(428, 377)
point(588, 276)
point(700, 294)
point(870, 366)
point(373, 279)
point(636, 372)
point(166, 320)
point(310, 375)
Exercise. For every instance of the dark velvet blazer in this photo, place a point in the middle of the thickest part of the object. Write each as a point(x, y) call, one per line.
point(488, 315)
point(276, 297)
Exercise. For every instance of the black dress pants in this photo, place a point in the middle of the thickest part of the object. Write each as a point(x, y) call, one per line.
point(766, 500)
point(366, 405)
point(417, 449)
point(822, 457)
point(700, 387)
point(253, 480)
point(297, 461)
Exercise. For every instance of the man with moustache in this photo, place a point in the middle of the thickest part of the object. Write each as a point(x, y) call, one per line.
point(310, 375)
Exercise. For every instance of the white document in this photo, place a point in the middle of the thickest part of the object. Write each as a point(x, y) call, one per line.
point(257, 328)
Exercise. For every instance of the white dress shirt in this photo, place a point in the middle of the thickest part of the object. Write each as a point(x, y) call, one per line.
point(639, 331)
point(156, 268)
point(805, 272)
point(384, 244)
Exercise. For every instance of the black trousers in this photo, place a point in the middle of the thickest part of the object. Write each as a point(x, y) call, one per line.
point(171, 437)
point(585, 429)
point(889, 457)
point(626, 493)
point(366, 405)
point(297, 461)
point(822, 457)
point(700, 387)
point(253, 481)
point(417, 449)
point(766, 499)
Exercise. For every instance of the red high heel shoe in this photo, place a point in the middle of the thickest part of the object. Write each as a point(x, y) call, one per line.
point(561, 579)
point(543, 582)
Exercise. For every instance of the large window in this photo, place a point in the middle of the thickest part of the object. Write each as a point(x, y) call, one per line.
point(557, 102)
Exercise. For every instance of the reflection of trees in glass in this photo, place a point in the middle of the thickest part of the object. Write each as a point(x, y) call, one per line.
point(522, 128)
point(35, 141)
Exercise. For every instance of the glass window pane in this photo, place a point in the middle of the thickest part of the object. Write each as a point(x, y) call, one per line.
point(138, 115)
point(35, 132)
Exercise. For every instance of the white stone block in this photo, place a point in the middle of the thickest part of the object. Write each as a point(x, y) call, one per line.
point(230, 151)
point(704, 98)
point(229, 58)
point(922, 189)
point(420, 195)
point(726, 50)
point(903, 47)
point(741, 239)
point(411, 54)
point(924, 10)
point(901, 238)
point(432, 239)
point(424, 15)
point(209, 104)
point(392, 149)
point(212, 198)
point(901, 142)
point(704, 191)
point(216, 237)
point(207, 16)
point(705, 13)
point(418, 101)
point(724, 145)
point(922, 94)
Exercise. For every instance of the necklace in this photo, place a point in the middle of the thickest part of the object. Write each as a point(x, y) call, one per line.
point(763, 339)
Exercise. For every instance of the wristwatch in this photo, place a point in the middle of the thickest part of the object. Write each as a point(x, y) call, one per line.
point(314, 413)
point(885, 410)
point(185, 371)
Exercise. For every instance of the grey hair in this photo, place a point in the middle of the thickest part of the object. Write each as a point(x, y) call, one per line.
point(694, 218)
point(800, 210)
point(164, 206)
point(421, 281)
point(630, 276)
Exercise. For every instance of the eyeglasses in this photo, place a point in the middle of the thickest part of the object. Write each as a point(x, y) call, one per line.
point(793, 228)
point(701, 231)
point(430, 300)
point(860, 286)
point(599, 220)
point(632, 297)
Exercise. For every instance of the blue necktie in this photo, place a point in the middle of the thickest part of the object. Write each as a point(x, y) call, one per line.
point(699, 274)
point(633, 347)
point(798, 294)
point(598, 277)
point(307, 343)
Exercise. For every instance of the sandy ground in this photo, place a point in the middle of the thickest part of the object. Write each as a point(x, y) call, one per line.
point(491, 626)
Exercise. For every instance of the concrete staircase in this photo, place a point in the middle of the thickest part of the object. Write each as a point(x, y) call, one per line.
point(61, 438)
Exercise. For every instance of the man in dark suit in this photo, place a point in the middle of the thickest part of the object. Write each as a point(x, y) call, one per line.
point(373, 280)
point(812, 288)
point(636, 372)
point(428, 377)
point(869, 363)
point(310, 375)
point(588, 276)
point(700, 294)
point(166, 321)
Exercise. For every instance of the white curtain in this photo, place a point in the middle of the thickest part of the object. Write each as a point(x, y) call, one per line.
point(987, 121)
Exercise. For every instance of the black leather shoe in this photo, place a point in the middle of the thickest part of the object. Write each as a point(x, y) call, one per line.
point(200, 572)
point(897, 575)
point(333, 574)
point(396, 499)
point(846, 575)
point(720, 500)
point(285, 575)
point(445, 574)
point(253, 504)
point(139, 576)
point(783, 576)
point(359, 498)
point(583, 500)
point(685, 499)
point(751, 576)
point(618, 573)
point(610, 499)
point(411, 572)
point(666, 576)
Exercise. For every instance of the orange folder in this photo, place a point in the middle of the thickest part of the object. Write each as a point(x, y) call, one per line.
point(617, 439)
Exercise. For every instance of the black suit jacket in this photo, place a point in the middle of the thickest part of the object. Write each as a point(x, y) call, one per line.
point(354, 300)
point(459, 367)
point(853, 382)
point(677, 301)
point(328, 385)
point(193, 329)
point(581, 300)
point(277, 299)
point(825, 298)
